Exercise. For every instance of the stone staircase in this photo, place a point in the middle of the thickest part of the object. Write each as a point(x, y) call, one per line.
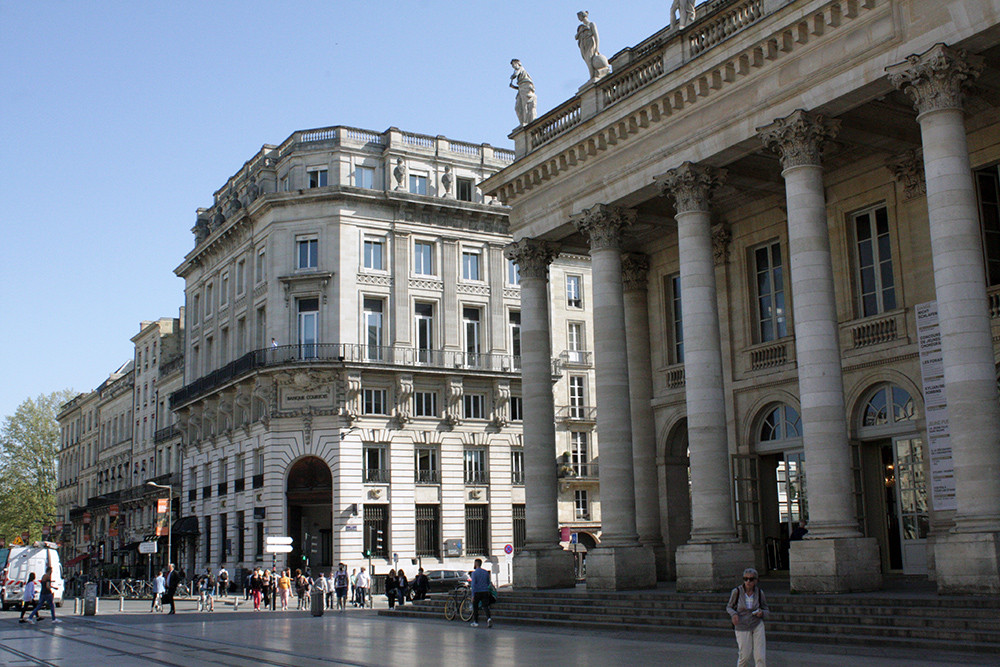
point(927, 622)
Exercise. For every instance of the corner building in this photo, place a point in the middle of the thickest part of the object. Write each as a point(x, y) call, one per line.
point(352, 360)
point(813, 186)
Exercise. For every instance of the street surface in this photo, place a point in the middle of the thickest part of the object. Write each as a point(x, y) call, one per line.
point(361, 637)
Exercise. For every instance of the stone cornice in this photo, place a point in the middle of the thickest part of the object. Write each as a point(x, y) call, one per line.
point(691, 185)
point(532, 257)
point(798, 138)
point(937, 78)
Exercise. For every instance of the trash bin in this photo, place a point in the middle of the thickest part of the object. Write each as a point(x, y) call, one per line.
point(317, 603)
point(90, 599)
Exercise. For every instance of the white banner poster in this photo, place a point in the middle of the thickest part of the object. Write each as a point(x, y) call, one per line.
point(936, 407)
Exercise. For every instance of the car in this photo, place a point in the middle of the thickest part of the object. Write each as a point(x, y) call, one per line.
point(17, 563)
point(442, 581)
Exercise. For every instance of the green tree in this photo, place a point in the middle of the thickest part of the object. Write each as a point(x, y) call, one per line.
point(29, 452)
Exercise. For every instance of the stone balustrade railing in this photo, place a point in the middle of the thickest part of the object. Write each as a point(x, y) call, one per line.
point(675, 376)
point(556, 122)
point(993, 296)
point(875, 331)
point(632, 79)
point(715, 30)
point(769, 356)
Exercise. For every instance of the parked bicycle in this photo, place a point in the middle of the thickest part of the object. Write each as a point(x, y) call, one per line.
point(459, 603)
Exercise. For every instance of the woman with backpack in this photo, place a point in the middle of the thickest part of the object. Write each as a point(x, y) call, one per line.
point(301, 588)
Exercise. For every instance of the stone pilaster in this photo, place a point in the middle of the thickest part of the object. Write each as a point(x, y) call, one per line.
point(968, 558)
point(835, 558)
point(635, 271)
point(620, 562)
point(543, 563)
point(711, 557)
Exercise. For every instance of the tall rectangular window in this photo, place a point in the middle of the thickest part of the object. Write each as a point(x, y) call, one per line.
point(463, 189)
point(418, 184)
point(473, 342)
point(209, 297)
point(241, 275)
point(428, 529)
point(258, 529)
point(770, 293)
point(241, 336)
point(988, 191)
point(477, 538)
point(364, 177)
point(260, 322)
point(425, 404)
point(513, 273)
point(317, 178)
point(577, 396)
point(374, 332)
point(308, 310)
point(475, 466)
point(374, 252)
point(471, 265)
point(519, 528)
point(195, 309)
point(308, 250)
point(672, 299)
point(258, 468)
point(223, 537)
point(376, 537)
point(873, 254)
point(240, 543)
point(423, 258)
point(574, 341)
point(475, 406)
point(426, 465)
point(574, 296)
point(580, 453)
point(208, 539)
point(375, 402)
point(223, 290)
point(260, 271)
point(376, 470)
point(514, 329)
point(423, 320)
point(516, 408)
point(581, 503)
point(517, 466)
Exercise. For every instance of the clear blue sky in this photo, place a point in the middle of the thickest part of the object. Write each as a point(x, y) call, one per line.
point(119, 119)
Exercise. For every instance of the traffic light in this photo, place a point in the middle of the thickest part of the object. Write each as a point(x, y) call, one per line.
point(379, 541)
point(367, 553)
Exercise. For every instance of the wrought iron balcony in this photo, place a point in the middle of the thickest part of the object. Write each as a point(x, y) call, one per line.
point(376, 476)
point(166, 433)
point(582, 471)
point(577, 413)
point(577, 358)
point(477, 477)
point(517, 478)
point(426, 477)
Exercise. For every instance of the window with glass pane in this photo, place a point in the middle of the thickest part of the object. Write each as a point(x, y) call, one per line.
point(241, 272)
point(317, 178)
point(519, 527)
point(988, 191)
point(426, 460)
point(423, 258)
point(260, 270)
point(672, 291)
point(423, 316)
point(376, 464)
point(374, 254)
point(873, 254)
point(224, 289)
point(889, 404)
point(475, 466)
point(470, 320)
point(308, 253)
point(463, 189)
point(579, 453)
point(781, 423)
point(470, 265)
point(209, 298)
point(425, 404)
point(376, 537)
point(581, 503)
point(517, 466)
point(374, 401)
point(770, 292)
point(911, 484)
point(374, 333)
point(428, 530)
point(475, 406)
point(514, 325)
point(477, 542)
point(574, 342)
point(364, 177)
point(516, 408)
point(573, 294)
point(308, 328)
point(577, 397)
point(418, 184)
point(513, 273)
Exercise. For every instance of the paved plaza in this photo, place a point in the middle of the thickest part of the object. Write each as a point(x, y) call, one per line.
point(361, 637)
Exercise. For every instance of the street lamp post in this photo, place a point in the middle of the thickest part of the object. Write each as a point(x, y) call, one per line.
point(170, 518)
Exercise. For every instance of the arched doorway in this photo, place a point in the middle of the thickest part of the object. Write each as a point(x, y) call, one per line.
point(891, 458)
point(675, 490)
point(310, 513)
point(777, 442)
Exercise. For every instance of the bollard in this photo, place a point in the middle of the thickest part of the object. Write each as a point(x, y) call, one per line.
point(236, 603)
point(121, 603)
point(76, 606)
point(90, 599)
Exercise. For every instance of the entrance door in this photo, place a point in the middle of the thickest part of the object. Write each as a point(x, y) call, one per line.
point(308, 327)
point(310, 513)
point(748, 522)
point(911, 503)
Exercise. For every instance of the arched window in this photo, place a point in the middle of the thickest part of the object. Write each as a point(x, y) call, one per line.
point(888, 404)
point(781, 422)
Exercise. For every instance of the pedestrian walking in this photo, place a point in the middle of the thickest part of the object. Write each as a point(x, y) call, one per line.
point(363, 584)
point(354, 583)
point(340, 584)
point(46, 596)
point(402, 587)
point(159, 588)
point(256, 588)
point(284, 588)
point(247, 591)
point(28, 597)
point(265, 588)
point(172, 580)
point(390, 588)
point(420, 585)
point(301, 588)
point(747, 609)
point(223, 580)
point(481, 594)
point(323, 585)
point(206, 586)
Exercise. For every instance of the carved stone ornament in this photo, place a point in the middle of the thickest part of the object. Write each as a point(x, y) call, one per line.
point(691, 185)
point(908, 170)
point(798, 139)
point(532, 257)
point(404, 392)
point(501, 404)
point(635, 271)
point(721, 240)
point(399, 173)
point(446, 179)
point(604, 225)
point(937, 78)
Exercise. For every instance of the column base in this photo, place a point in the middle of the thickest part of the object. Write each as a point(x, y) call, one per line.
point(544, 568)
point(711, 567)
point(968, 563)
point(620, 568)
point(835, 565)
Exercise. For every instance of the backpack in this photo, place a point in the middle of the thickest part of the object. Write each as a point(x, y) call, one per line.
point(340, 579)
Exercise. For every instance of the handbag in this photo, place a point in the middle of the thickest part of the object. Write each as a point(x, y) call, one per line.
point(494, 595)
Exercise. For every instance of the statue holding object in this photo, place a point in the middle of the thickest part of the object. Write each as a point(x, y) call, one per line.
point(525, 103)
point(590, 42)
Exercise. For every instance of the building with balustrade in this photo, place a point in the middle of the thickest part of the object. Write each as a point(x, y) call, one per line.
point(791, 208)
point(353, 350)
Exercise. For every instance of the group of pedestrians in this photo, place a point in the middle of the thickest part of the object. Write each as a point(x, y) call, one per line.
point(164, 588)
point(45, 597)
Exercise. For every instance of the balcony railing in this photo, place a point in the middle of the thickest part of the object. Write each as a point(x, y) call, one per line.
point(586, 413)
point(578, 471)
point(477, 477)
point(348, 353)
point(426, 477)
point(376, 476)
point(166, 433)
point(577, 358)
point(517, 478)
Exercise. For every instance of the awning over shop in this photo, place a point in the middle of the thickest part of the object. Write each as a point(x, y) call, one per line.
point(76, 559)
point(184, 526)
point(131, 546)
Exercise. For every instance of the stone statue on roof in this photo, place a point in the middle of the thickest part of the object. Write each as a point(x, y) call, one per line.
point(686, 10)
point(525, 103)
point(590, 42)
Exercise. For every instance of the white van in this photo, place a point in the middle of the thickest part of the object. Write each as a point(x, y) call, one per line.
point(17, 563)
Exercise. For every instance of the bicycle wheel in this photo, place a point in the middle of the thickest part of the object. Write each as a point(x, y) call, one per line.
point(466, 609)
point(450, 608)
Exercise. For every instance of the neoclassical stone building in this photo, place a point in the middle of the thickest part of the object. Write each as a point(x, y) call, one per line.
point(813, 188)
point(352, 361)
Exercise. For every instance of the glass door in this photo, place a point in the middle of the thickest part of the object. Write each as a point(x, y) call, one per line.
point(911, 503)
point(308, 328)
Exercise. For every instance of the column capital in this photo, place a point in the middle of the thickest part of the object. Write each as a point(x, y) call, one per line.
point(635, 269)
point(798, 138)
point(721, 240)
point(936, 78)
point(532, 257)
point(690, 185)
point(908, 170)
point(604, 225)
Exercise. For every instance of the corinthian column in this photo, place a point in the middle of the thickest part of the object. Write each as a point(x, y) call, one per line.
point(620, 562)
point(710, 557)
point(967, 560)
point(542, 563)
point(835, 558)
point(635, 269)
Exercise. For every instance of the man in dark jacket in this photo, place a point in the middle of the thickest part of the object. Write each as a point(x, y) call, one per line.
point(420, 585)
point(173, 579)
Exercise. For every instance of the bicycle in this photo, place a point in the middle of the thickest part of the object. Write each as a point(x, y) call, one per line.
point(459, 603)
